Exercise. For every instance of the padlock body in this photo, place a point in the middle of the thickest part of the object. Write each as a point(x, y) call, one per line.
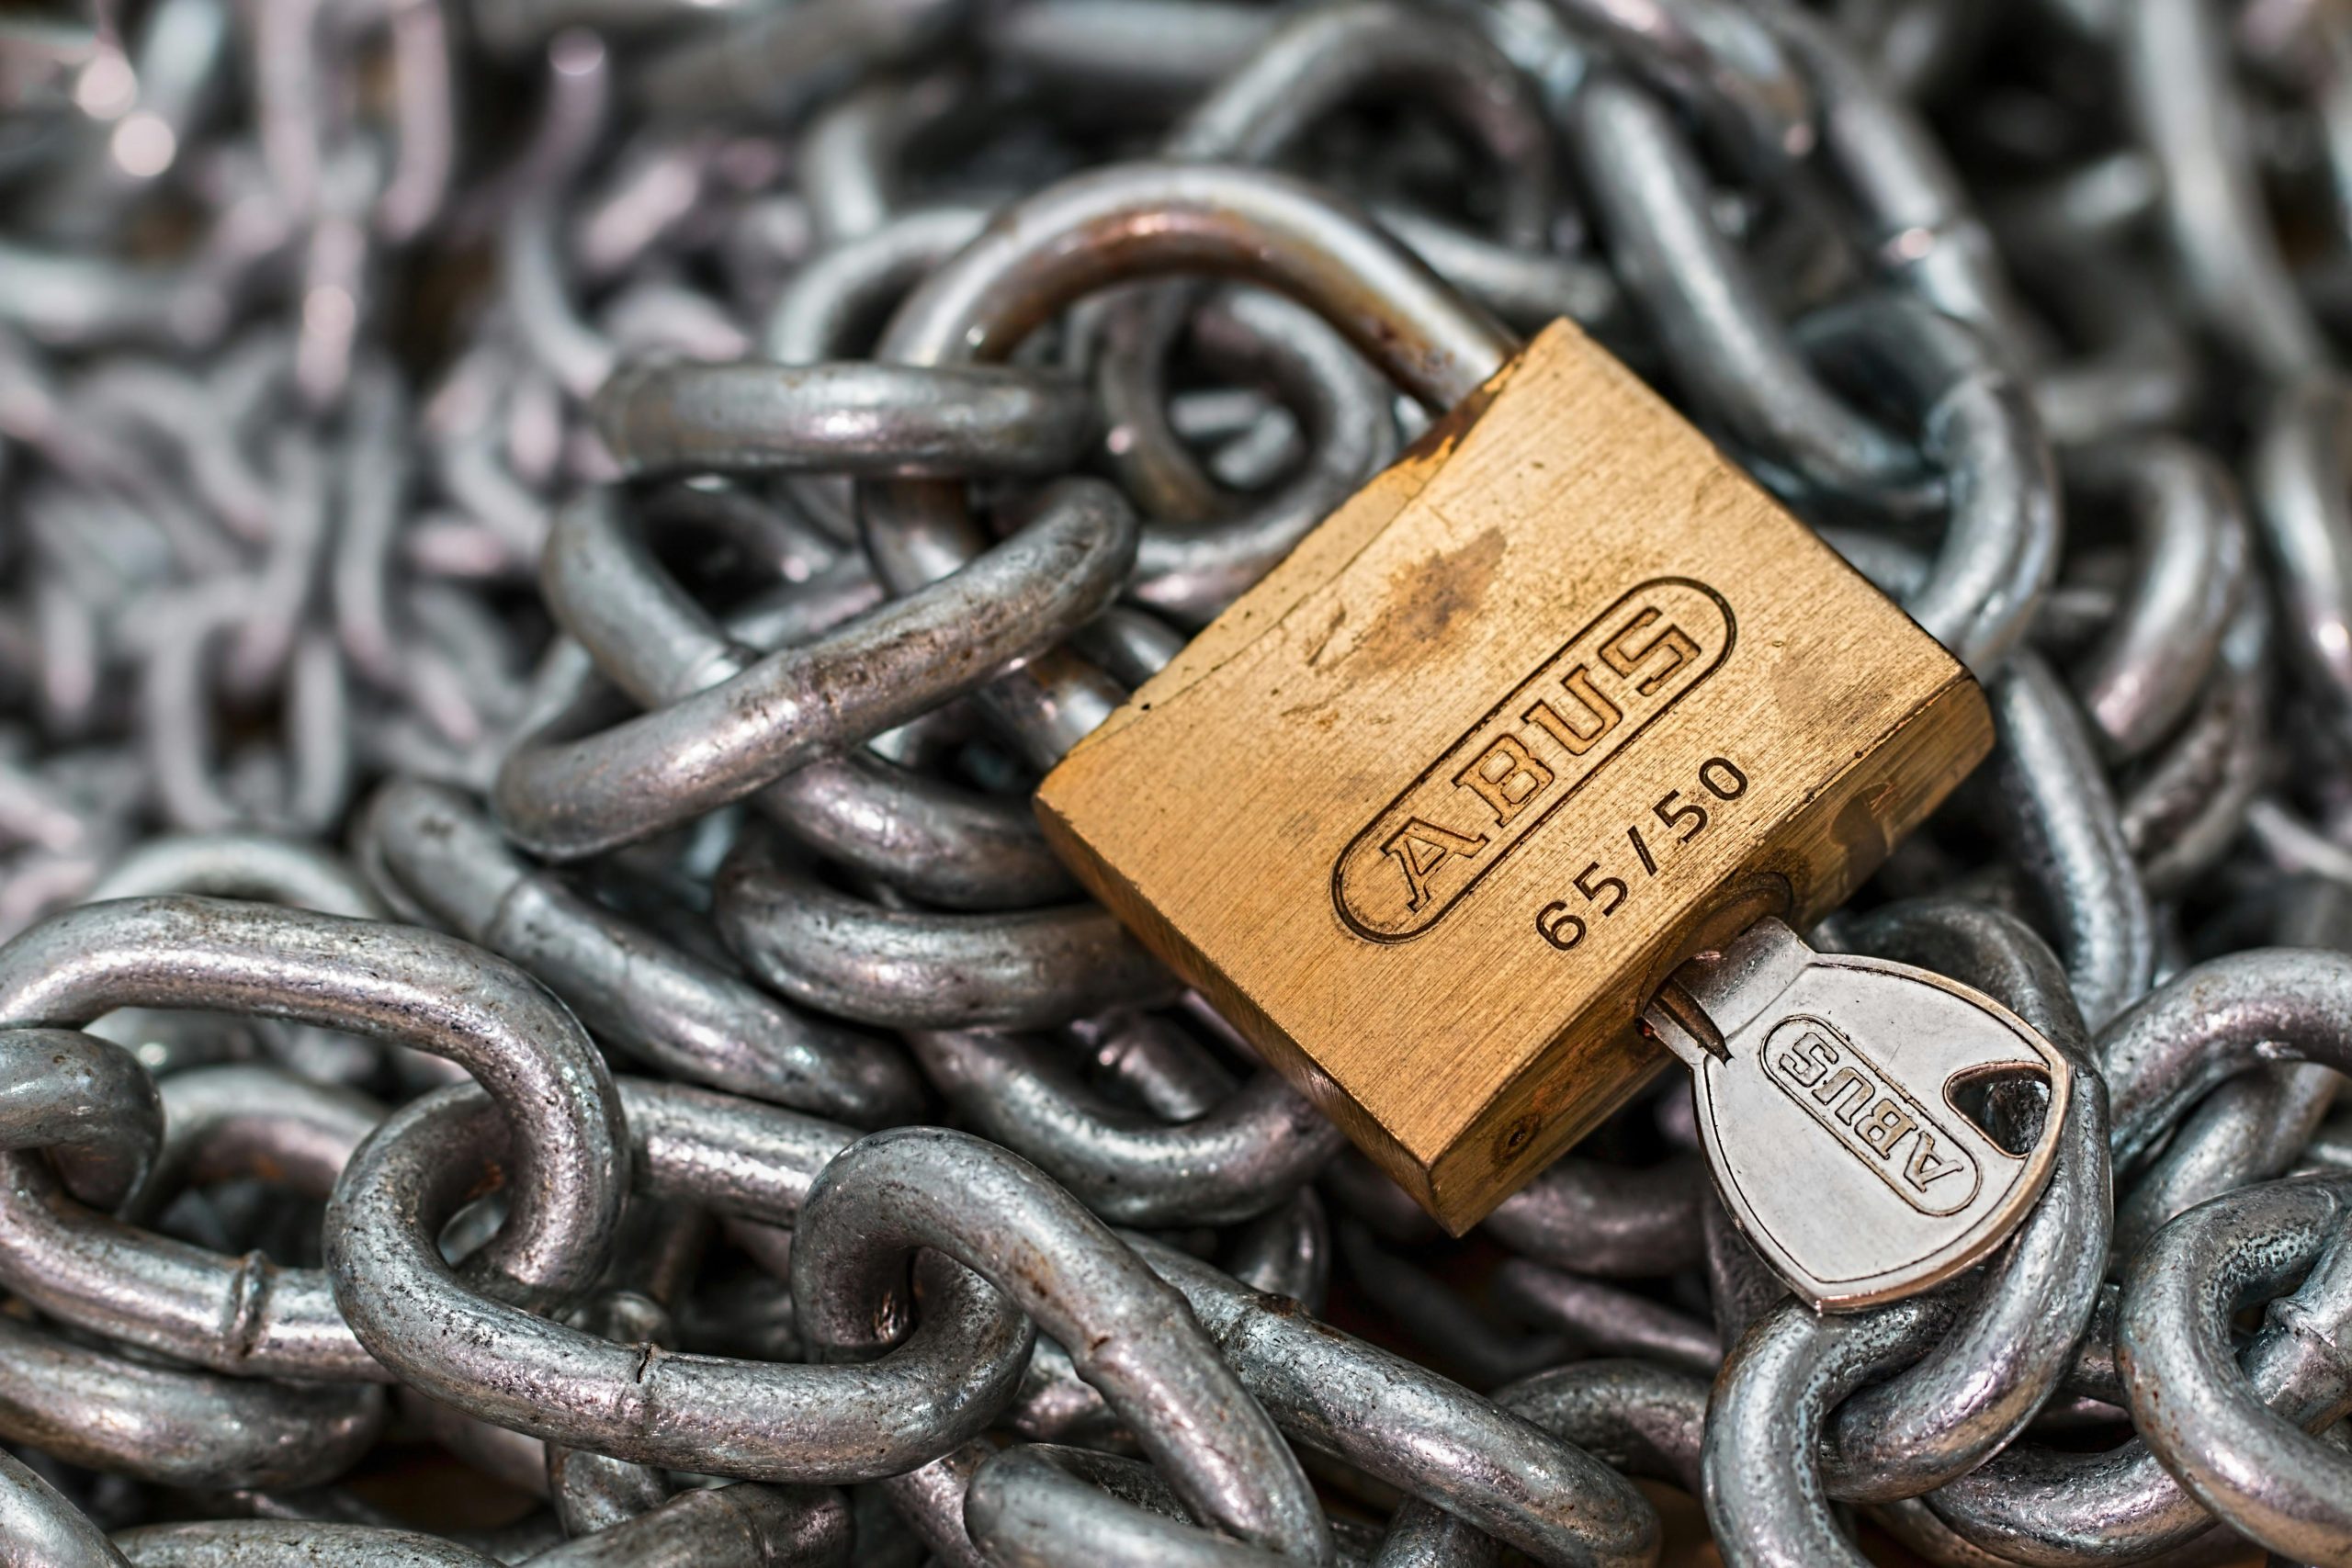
point(1557, 701)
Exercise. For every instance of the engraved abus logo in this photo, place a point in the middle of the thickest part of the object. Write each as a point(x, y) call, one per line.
point(1530, 752)
point(1872, 1117)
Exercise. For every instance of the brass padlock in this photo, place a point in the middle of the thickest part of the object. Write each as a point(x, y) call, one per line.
point(1560, 700)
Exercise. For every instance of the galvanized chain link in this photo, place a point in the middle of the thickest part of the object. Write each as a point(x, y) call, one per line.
point(549, 539)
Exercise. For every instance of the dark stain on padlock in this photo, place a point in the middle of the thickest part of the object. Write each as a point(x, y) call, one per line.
point(1861, 829)
point(1517, 1138)
point(1425, 601)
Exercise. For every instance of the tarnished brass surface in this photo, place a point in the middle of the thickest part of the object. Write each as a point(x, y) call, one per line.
point(1560, 699)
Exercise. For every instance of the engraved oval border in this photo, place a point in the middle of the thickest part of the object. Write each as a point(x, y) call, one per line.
point(1731, 640)
point(1889, 1085)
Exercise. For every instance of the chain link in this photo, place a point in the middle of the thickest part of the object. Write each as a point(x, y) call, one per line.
point(541, 531)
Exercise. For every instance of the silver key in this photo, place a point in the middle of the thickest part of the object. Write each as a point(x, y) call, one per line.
point(1825, 1087)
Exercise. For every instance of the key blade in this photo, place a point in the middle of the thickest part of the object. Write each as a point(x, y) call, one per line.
point(1830, 1122)
point(1675, 1020)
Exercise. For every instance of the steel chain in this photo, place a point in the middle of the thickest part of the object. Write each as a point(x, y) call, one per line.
point(534, 532)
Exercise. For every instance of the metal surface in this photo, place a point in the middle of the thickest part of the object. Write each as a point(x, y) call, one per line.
point(1831, 1095)
point(545, 545)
